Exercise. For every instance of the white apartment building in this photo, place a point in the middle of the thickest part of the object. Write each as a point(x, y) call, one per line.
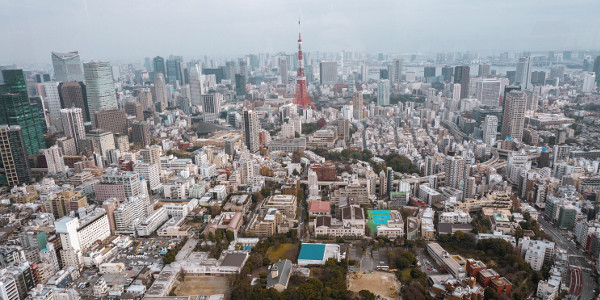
point(455, 217)
point(152, 222)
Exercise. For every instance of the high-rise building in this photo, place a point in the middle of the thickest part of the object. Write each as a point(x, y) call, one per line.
point(538, 78)
point(383, 92)
point(146, 99)
point(113, 120)
point(490, 129)
point(447, 72)
point(140, 133)
point(101, 141)
point(129, 180)
point(240, 86)
point(596, 70)
point(67, 66)
point(429, 72)
point(557, 71)
point(159, 65)
point(151, 155)
point(484, 70)
point(455, 171)
point(99, 87)
point(488, 91)
point(134, 108)
point(513, 121)
point(395, 70)
point(72, 122)
point(328, 72)
point(15, 109)
point(523, 75)
point(462, 76)
point(196, 85)
point(52, 100)
point(54, 160)
point(174, 70)
point(73, 94)
point(250, 127)
point(589, 82)
point(211, 105)
point(160, 90)
point(283, 69)
point(358, 106)
point(13, 155)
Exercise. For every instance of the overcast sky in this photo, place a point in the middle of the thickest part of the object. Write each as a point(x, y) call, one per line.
point(129, 30)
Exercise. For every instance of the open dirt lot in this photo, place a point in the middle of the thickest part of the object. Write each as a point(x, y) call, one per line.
point(376, 283)
point(204, 286)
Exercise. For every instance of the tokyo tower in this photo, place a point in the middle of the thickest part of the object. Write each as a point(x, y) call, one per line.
point(301, 98)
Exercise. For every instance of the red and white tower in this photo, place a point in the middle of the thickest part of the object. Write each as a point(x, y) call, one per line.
point(301, 98)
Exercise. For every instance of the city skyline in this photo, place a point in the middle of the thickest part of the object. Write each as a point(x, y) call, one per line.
point(236, 28)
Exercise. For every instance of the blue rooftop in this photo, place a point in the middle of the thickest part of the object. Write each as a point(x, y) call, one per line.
point(312, 251)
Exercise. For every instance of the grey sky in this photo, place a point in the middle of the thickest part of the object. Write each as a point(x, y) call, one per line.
point(126, 30)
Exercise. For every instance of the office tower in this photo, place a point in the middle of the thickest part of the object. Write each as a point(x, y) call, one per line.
point(589, 82)
point(54, 160)
point(364, 73)
point(447, 72)
point(52, 100)
point(15, 109)
point(122, 142)
point(174, 71)
point(240, 86)
point(211, 105)
point(99, 87)
point(67, 145)
point(328, 72)
point(484, 70)
point(514, 115)
point(351, 85)
point(37, 101)
point(557, 71)
point(383, 74)
point(229, 70)
point(283, 70)
point(488, 91)
point(538, 78)
point(462, 76)
point(73, 94)
point(523, 75)
point(358, 106)
point(383, 92)
point(133, 108)
point(456, 91)
point(151, 155)
point(250, 127)
point(14, 156)
point(140, 133)
point(395, 70)
point(490, 129)
point(146, 99)
point(429, 72)
point(72, 123)
point(596, 70)
point(454, 168)
point(159, 65)
point(196, 85)
point(160, 90)
point(101, 141)
point(67, 66)
point(114, 120)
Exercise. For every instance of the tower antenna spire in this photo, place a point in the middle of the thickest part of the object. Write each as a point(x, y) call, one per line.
point(301, 96)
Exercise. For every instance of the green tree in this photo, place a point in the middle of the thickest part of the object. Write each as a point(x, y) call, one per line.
point(367, 295)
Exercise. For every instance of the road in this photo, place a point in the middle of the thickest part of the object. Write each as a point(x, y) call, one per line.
point(576, 259)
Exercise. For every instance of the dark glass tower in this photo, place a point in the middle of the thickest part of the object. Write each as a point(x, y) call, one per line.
point(15, 109)
point(13, 156)
point(159, 65)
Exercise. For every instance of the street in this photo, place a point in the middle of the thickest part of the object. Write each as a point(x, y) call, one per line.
point(576, 259)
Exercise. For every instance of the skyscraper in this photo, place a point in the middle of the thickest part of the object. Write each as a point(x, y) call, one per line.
point(250, 127)
point(196, 85)
point(490, 129)
point(13, 155)
point(72, 122)
point(140, 133)
point(160, 90)
point(383, 92)
point(283, 69)
point(211, 105)
point(54, 159)
point(113, 120)
point(52, 100)
point(488, 91)
point(99, 87)
point(146, 99)
point(15, 109)
point(513, 121)
point(484, 70)
point(523, 75)
point(67, 66)
point(589, 82)
point(73, 94)
point(447, 72)
point(134, 108)
point(358, 106)
point(429, 72)
point(240, 86)
point(328, 72)
point(454, 168)
point(395, 70)
point(462, 76)
point(159, 65)
point(174, 70)
point(596, 70)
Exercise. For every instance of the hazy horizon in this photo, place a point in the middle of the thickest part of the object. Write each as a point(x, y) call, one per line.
point(131, 30)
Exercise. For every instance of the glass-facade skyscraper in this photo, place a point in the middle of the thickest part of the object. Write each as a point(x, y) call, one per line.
point(99, 87)
point(15, 109)
point(67, 66)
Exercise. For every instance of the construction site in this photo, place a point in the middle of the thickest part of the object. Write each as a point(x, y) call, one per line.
point(383, 284)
